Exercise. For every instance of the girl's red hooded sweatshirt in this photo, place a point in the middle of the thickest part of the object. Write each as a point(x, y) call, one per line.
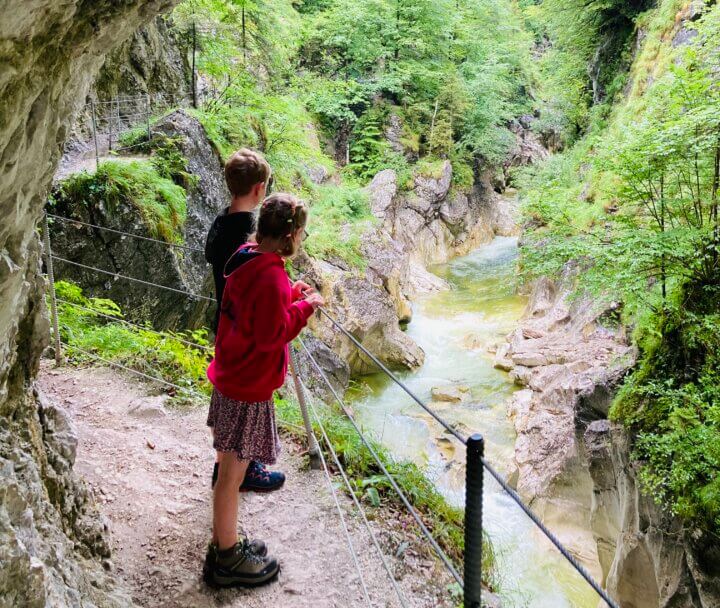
point(260, 314)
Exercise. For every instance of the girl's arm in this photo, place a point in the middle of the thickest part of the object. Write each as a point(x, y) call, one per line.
point(276, 320)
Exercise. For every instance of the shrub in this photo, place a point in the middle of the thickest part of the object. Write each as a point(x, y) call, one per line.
point(160, 202)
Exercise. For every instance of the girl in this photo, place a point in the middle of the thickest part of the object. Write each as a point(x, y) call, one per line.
point(261, 312)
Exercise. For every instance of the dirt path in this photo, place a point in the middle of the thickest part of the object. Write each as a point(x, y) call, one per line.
point(86, 162)
point(149, 469)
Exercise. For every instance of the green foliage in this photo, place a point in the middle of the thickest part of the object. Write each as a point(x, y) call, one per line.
point(457, 70)
point(586, 61)
point(160, 202)
point(84, 324)
point(673, 400)
point(338, 217)
point(370, 151)
point(169, 161)
point(634, 205)
point(255, 32)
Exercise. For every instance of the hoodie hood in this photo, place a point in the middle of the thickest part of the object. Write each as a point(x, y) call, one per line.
point(246, 263)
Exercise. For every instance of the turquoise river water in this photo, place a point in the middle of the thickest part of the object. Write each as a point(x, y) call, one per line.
point(455, 327)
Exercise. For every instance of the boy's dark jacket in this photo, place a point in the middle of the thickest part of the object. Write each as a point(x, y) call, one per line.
point(261, 313)
point(228, 232)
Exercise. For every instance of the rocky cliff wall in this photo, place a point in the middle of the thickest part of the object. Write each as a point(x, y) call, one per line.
point(428, 224)
point(569, 355)
point(177, 268)
point(50, 52)
point(152, 62)
point(649, 558)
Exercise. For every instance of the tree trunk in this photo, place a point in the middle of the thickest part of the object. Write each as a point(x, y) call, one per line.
point(244, 45)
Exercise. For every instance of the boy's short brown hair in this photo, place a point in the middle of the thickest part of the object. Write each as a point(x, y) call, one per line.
point(244, 169)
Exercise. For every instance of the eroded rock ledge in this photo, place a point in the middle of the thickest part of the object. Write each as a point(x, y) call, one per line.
point(568, 356)
point(576, 466)
point(428, 224)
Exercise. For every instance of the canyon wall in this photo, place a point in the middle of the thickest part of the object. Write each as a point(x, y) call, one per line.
point(50, 538)
point(569, 354)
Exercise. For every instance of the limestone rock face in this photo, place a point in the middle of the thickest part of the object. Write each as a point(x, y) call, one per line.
point(427, 225)
point(431, 222)
point(568, 361)
point(367, 311)
point(649, 558)
point(571, 362)
point(176, 268)
point(50, 541)
point(335, 369)
point(152, 61)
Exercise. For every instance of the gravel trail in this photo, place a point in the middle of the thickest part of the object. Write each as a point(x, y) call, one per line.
point(149, 469)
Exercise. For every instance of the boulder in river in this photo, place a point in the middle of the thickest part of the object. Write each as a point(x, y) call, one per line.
point(452, 393)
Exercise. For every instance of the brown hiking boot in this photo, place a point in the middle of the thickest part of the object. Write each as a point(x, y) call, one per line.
point(240, 566)
point(255, 546)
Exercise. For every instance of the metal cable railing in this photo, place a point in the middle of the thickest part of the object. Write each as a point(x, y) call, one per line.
point(447, 562)
point(173, 337)
point(348, 538)
point(478, 444)
point(117, 275)
point(475, 462)
point(69, 220)
point(363, 515)
point(394, 378)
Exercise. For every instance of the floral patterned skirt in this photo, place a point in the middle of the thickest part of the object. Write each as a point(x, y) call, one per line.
point(248, 429)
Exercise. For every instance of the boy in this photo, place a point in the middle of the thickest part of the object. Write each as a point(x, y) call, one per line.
point(249, 179)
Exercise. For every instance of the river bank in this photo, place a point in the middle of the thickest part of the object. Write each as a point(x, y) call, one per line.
point(457, 328)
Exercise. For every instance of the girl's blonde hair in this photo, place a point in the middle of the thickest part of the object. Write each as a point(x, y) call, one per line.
point(281, 214)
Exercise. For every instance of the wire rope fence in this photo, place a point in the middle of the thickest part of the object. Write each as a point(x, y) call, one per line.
point(476, 464)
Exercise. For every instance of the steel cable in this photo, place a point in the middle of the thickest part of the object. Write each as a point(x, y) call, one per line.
point(122, 276)
point(441, 554)
point(345, 528)
point(553, 539)
point(326, 439)
point(70, 220)
point(503, 484)
point(395, 379)
point(140, 327)
point(134, 371)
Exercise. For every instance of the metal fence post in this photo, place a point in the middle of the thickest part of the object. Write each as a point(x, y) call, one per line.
point(473, 521)
point(94, 128)
point(147, 115)
point(313, 448)
point(194, 75)
point(53, 300)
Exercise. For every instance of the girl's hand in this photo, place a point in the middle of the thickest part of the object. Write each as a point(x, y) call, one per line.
point(302, 287)
point(315, 300)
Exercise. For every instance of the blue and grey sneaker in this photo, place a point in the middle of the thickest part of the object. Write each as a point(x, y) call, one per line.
point(257, 478)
